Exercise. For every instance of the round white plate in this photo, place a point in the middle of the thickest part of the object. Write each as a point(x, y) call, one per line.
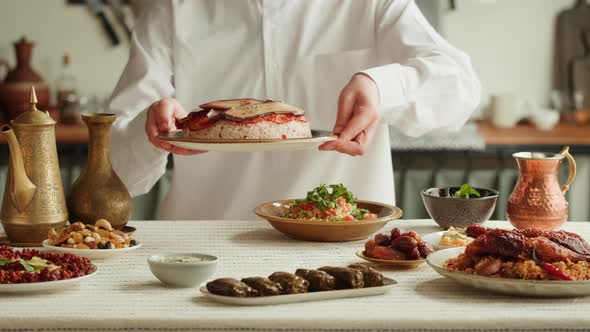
point(536, 288)
point(305, 297)
point(46, 286)
point(91, 253)
point(244, 145)
point(434, 239)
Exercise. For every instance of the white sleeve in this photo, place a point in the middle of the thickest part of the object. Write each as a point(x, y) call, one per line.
point(429, 85)
point(147, 77)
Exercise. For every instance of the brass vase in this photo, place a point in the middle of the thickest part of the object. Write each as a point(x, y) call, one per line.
point(99, 193)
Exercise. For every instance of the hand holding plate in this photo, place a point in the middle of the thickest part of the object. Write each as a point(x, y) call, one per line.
point(358, 116)
point(161, 117)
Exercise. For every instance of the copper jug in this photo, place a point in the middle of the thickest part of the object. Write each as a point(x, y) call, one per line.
point(14, 90)
point(99, 193)
point(538, 200)
point(33, 199)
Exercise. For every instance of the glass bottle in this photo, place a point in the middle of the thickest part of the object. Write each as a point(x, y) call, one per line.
point(67, 84)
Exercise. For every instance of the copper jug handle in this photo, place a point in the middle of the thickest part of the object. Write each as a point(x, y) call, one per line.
point(572, 173)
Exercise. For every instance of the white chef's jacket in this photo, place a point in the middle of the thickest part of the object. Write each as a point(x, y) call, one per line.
point(300, 52)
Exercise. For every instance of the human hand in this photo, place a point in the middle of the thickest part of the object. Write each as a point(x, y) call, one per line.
point(161, 117)
point(358, 117)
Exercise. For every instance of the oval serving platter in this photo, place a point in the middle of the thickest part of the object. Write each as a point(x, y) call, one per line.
point(305, 297)
point(247, 145)
point(535, 288)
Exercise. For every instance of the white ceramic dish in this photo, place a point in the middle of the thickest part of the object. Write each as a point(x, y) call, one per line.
point(91, 253)
point(536, 288)
point(306, 297)
point(47, 286)
point(182, 274)
point(434, 240)
point(243, 145)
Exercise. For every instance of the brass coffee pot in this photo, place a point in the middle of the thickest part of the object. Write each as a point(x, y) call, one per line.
point(33, 199)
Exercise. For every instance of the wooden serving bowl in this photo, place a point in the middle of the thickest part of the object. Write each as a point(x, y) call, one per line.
point(327, 231)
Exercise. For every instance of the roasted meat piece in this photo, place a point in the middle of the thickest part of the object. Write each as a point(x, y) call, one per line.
point(291, 283)
point(569, 240)
point(264, 286)
point(371, 277)
point(318, 280)
point(545, 250)
point(474, 231)
point(346, 278)
point(230, 287)
point(496, 242)
point(545, 246)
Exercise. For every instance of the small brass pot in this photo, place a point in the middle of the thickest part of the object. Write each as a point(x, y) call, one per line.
point(99, 193)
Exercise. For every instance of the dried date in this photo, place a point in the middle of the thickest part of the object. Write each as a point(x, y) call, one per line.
point(404, 243)
point(382, 239)
point(425, 249)
point(383, 252)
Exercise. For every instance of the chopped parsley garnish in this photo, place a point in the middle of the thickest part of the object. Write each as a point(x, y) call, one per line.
point(326, 196)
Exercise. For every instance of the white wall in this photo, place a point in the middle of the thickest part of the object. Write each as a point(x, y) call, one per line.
point(57, 28)
point(510, 43)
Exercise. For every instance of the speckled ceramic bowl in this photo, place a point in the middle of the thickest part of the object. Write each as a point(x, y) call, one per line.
point(448, 211)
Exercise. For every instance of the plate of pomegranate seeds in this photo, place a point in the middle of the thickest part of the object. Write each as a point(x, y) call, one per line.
point(29, 270)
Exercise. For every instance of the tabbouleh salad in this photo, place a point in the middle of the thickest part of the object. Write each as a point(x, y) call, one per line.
point(329, 203)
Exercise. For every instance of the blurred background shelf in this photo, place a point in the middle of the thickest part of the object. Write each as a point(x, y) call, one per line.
point(479, 154)
point(526, 134)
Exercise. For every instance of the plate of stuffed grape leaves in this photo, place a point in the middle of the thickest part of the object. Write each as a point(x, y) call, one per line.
point(324, 283)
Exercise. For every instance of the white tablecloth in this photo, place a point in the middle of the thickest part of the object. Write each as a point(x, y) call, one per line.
point(125, 295)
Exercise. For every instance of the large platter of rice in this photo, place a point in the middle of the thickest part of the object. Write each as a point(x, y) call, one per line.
point(524, 277)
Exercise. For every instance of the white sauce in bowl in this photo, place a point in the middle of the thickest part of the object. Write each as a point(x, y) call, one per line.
point(183, 259)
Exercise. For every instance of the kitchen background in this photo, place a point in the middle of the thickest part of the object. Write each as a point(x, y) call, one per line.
point(512, 44)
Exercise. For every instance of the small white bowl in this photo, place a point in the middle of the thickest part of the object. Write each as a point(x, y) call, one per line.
point(182, 274)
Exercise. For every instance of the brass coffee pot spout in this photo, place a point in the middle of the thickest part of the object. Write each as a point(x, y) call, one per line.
point(21, 188)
